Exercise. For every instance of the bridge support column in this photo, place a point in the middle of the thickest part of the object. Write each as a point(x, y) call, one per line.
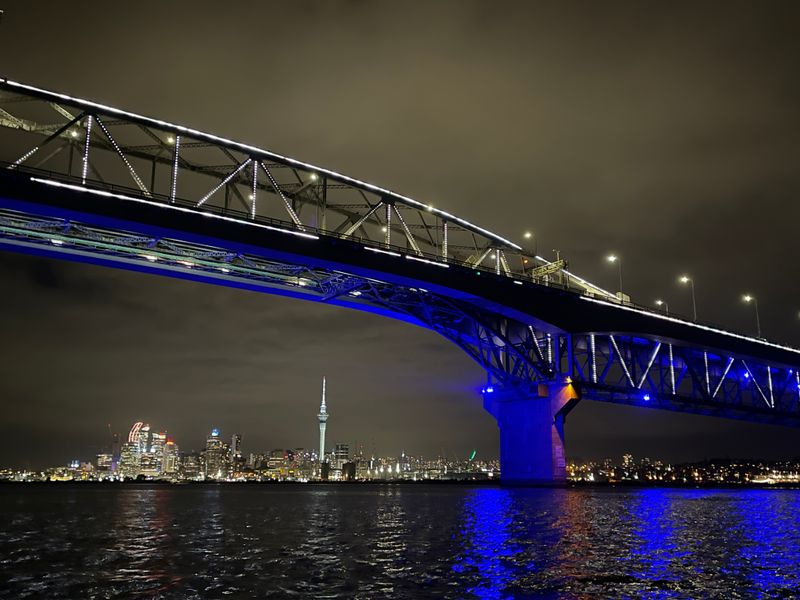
point(532, 432)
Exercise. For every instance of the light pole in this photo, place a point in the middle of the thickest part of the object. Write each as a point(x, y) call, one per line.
point(663, 303)
point(684, 280)
point(613, 258)
point(748, 299)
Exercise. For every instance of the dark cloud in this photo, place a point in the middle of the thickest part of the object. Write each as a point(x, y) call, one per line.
point(665, 133)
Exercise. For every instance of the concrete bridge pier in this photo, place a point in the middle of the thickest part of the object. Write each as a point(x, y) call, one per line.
point(532, 432)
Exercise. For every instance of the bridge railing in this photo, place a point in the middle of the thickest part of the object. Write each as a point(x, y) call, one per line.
point(125, 190)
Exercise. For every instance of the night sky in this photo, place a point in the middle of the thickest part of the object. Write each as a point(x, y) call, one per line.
point(667, 133)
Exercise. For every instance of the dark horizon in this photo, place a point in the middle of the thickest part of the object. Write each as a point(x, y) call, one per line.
point(666, 137)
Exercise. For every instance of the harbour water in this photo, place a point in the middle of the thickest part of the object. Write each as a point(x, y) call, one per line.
point(396, 541)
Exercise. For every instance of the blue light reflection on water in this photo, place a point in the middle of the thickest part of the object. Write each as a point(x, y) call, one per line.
point(771, 555)
point(487, 523)
point(661, 555)
point(656, 546)
point(511, 540)
point(657, 543)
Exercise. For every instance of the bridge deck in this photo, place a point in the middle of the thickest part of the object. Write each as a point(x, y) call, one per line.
point(549, 308)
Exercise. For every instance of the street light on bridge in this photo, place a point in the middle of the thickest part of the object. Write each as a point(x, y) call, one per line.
point(684, 279)
point(613, 258)
point(527, 249)
point(663, 303)
point(748, 299)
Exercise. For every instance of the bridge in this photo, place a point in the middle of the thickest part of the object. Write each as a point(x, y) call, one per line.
point(91, 183)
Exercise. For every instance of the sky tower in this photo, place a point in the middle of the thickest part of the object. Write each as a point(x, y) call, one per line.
point(323, 418)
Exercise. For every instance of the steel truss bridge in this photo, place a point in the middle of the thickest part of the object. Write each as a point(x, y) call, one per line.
point(91, 183)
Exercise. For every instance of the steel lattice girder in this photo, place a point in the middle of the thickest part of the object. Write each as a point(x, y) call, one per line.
point(607, 367)
point(81, 142)
point(649, 372)
point(512, 353)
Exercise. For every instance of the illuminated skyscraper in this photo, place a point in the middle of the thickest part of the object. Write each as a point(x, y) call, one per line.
point(129, 460)
point(236, 446)
point(132, 451)
point(323, 419)
point(341, 455)
point(216, 457)
point(171, 458)
point(153, 458)
point(116, 447)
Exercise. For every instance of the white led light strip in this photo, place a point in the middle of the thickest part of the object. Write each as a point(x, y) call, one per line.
point(134, 174)
point(722, 379)
point(622, 361)
point(379, 251)
point(176, 154)
point(755, 383)
point(649, 365)
point(427, 262)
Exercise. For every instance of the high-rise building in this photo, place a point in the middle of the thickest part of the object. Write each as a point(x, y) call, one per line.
point(341, 455)
point(216, 457)
point(236, 446)
point(129, 460)
point(104, 462)
point(191, 466)
point(171, 458)
point(323, 420)
point(153, 457)
point(116, 447)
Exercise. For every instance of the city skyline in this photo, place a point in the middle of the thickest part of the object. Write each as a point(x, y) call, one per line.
point(678, 168)
point(147, 454)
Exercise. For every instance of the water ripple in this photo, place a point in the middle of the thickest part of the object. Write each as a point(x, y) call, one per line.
point(426, 541)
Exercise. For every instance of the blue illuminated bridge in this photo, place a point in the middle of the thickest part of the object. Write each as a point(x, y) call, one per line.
point(90, 183)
